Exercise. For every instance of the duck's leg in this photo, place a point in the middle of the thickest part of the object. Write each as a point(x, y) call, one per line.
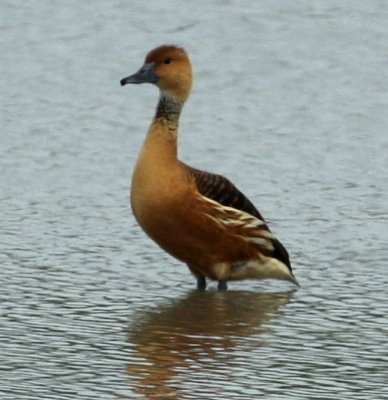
point(222, 285)
point(201, 282)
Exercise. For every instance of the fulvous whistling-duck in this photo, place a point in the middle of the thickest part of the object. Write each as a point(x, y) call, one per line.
point(200, 218)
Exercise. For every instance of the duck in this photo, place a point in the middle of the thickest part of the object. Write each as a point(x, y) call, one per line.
point(200, 218)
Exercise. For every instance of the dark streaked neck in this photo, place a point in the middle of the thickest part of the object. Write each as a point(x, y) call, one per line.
point(169, 108)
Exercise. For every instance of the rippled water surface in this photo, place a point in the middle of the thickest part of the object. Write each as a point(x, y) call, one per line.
point(290, 102)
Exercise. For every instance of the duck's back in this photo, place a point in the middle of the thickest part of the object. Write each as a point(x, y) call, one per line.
point(222, 190)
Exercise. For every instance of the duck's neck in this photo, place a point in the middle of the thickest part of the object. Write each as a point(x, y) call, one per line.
point(160, 144)
point(169, 108)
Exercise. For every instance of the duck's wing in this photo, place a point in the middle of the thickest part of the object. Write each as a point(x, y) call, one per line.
point(221, 190)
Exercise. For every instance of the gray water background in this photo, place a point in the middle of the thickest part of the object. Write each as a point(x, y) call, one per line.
point(290, 102)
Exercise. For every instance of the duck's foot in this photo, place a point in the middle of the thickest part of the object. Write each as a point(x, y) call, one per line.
point(201, 283)
point(222, 285)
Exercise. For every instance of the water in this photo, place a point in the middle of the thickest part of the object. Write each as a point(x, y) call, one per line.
point(290, 103)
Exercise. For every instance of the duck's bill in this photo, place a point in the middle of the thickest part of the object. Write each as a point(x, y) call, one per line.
point(146, 74)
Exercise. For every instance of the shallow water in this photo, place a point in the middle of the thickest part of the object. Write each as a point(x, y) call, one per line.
point(290, 103)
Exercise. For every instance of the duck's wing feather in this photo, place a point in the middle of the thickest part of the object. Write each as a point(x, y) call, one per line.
point(220, 189)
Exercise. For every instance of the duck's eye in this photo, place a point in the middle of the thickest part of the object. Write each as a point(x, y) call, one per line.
point(167, 60)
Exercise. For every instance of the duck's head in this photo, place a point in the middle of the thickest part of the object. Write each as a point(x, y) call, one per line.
point(169, 68)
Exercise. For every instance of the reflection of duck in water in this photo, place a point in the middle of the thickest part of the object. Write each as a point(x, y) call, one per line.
point(202, 327)
point(200, 218)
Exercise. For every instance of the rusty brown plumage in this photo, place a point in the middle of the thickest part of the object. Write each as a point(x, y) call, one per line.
point(220, 189)
point(198, 217)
